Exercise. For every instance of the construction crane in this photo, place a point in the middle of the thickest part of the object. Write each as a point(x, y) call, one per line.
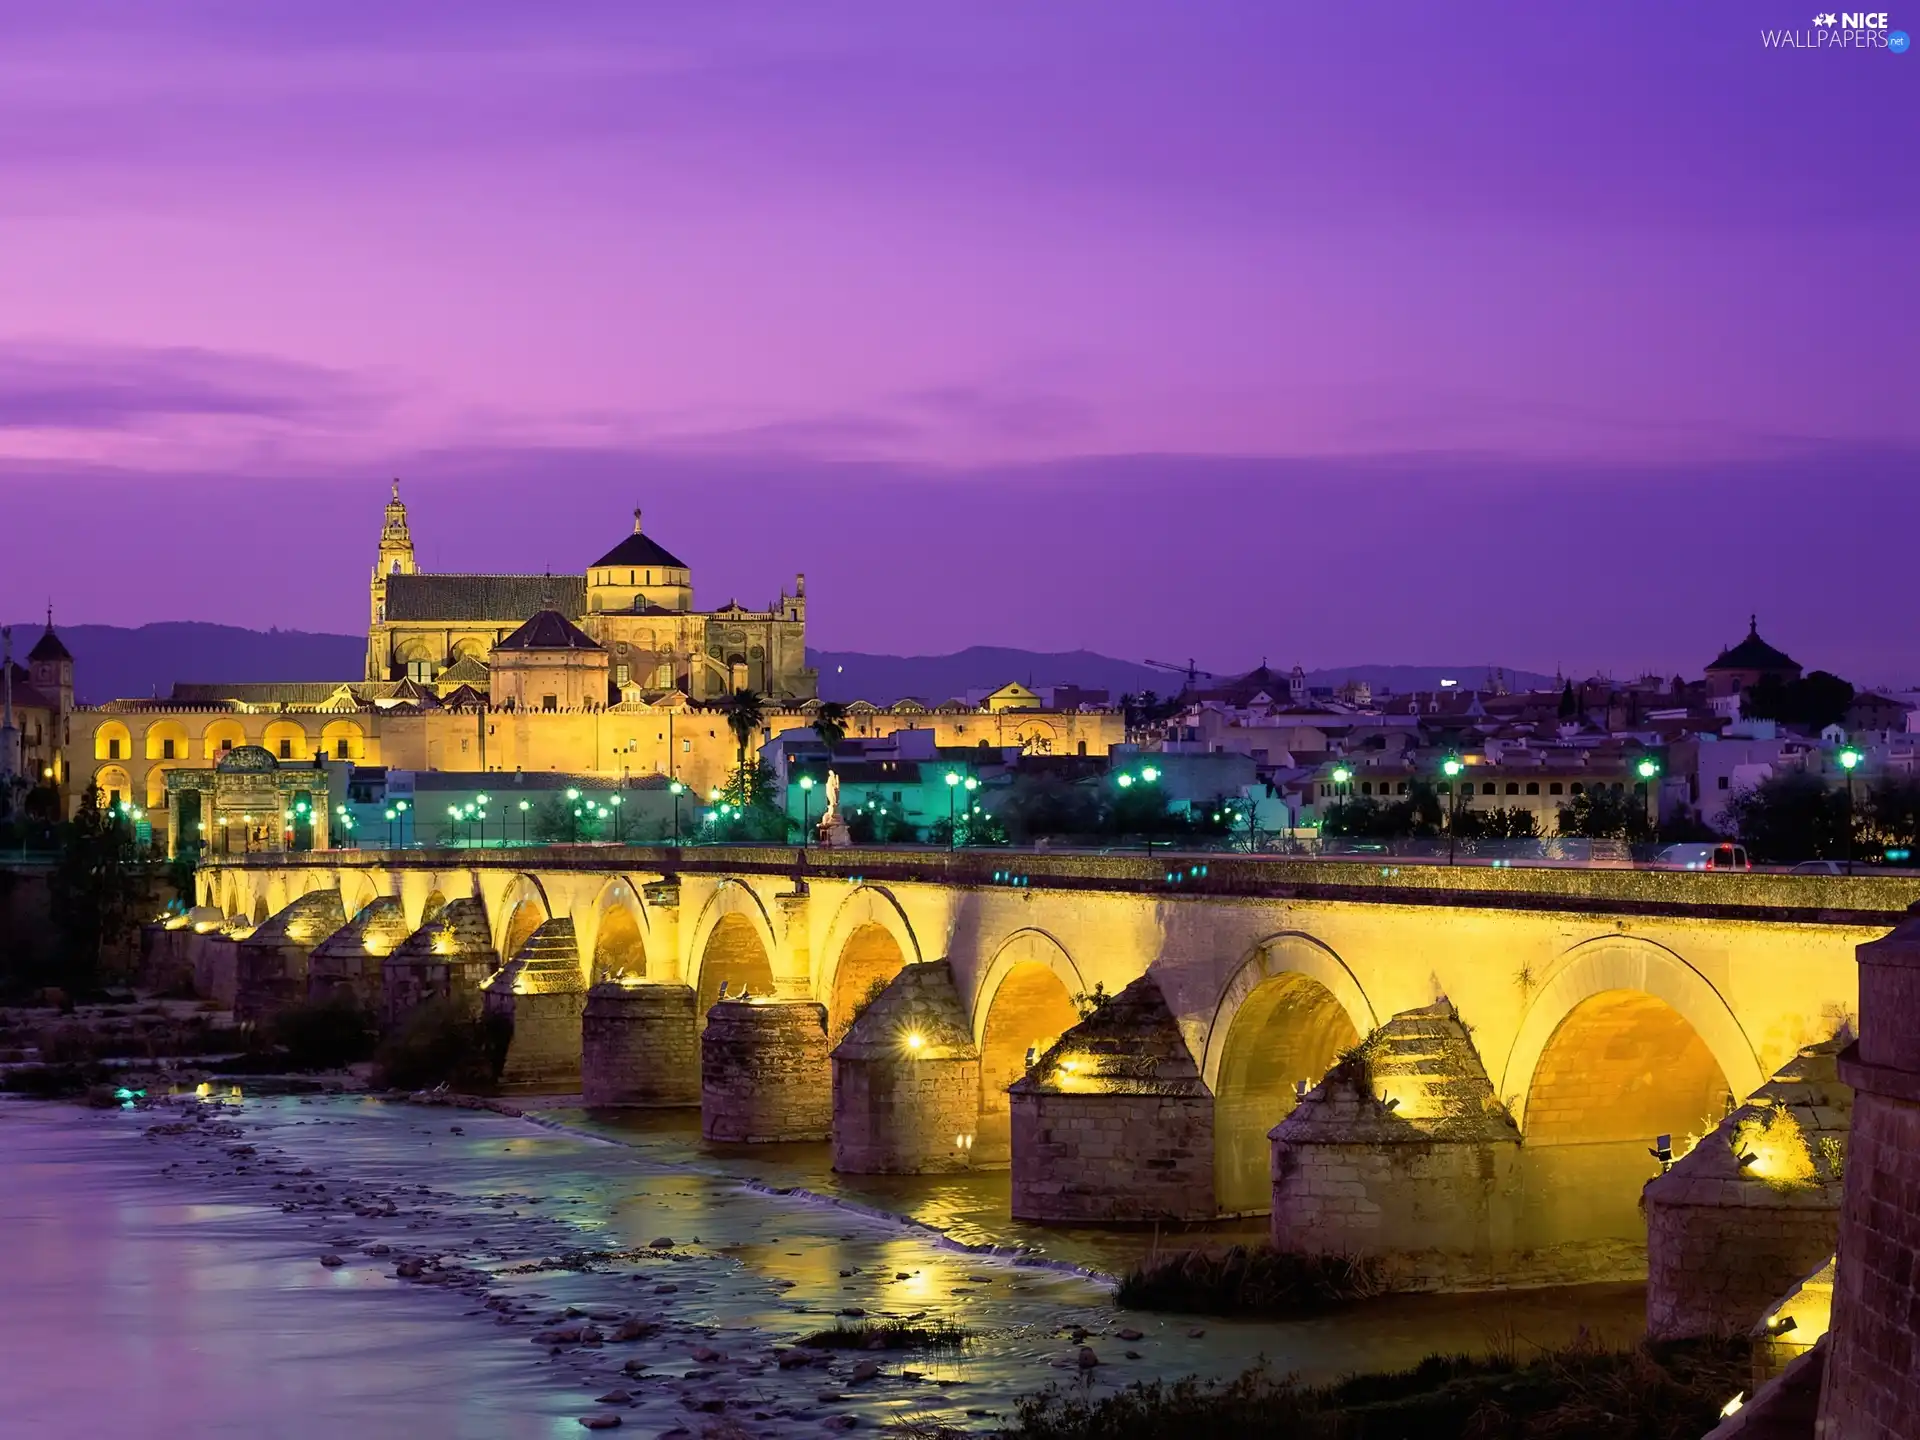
point(1191, 671)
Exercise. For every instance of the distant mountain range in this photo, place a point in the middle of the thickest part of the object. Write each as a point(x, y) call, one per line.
point(121, 662)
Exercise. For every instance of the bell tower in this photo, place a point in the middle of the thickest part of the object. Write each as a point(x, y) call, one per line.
point(396, 558)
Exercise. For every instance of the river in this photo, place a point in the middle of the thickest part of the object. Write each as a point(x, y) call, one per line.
point(164, 1278)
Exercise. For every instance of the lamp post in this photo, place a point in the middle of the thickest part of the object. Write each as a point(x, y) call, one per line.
point(481, 802)
point(523, 807)
point(400, 808)
point(675, 789)
point(953, 788)
point(1647, 769)
point(1452, 767)
point(806, 808)
point(619, 833)
point(573, 804)
point(393, 838)
point(1849, 758)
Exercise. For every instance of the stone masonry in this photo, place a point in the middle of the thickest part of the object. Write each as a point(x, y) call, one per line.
point(1753, 1206)
point(448, 958)
point(270, 966)
point(1114, 1123)
point(764, 1071)
point(348, 962)
point(539, 993)
point(1872, 1386)
point(640, 1045)
point(906, 1080)
point(1403, 1155)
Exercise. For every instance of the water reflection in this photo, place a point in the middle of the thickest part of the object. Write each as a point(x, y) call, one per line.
point(178, 1256)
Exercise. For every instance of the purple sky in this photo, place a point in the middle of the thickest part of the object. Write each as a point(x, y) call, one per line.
point(1539, 334)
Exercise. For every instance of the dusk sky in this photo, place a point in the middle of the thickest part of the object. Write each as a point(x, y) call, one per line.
point(1538, 334)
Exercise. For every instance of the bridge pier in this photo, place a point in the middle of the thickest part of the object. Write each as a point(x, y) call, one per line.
point(764, 1072)
point(347, 964)
point(271, 964)
point(1114, 1122)
point(447, 958)
point(1403, 1155)
point(1751, 1208)
point(906, 1080)
point(640, 1045)
point(539, 994)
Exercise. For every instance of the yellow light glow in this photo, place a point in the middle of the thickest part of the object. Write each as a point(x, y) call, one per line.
point(915, 1040)
point(1733, 1406)
point(203, 1089)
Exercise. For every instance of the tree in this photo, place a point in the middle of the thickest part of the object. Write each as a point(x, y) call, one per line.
point(746, 809)
point(745, 713)
point(830, 724)
point(1514, 823)
point(1045, 804)
point(94, 890)
point(1606, 815)
point(1417, 813)
point(1812, 702)
point(1569, 706)
point(1791, 817)
point(1889, 816)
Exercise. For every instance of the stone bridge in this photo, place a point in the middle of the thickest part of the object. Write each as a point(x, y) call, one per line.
point(1577, 1014)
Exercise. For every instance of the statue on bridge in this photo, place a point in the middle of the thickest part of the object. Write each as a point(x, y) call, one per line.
point(832, 830)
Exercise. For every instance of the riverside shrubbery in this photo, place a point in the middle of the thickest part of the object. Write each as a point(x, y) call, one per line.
point(1248, 1280)
point(1584, 1392)
point(442, 1043)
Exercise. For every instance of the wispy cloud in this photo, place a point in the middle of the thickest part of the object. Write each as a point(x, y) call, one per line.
point(67, 386)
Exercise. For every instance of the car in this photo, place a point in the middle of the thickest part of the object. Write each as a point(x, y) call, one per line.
point(1818, 867)
point(1722, 856)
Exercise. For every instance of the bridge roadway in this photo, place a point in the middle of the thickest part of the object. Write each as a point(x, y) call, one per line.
point(1605, 1006)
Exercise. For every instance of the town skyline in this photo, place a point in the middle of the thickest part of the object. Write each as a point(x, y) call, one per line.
point(1607, 362)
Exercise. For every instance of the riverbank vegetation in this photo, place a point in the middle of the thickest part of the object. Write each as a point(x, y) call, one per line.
point(1248, 1280)
point(443, 1044)
point(1585, 1392)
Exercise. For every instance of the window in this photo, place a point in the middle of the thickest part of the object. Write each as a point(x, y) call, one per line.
point(1725, 782)
point(1554, 788)
point(420, 670)
point(340, 749)
point(1401, 788)
point(166, 749)
point(113, 749)
point(1080, 751)
point(620, 676)
point(1533, 787)
point(1366, 787)
point(1486, 787)
point(286, 748)
point(1577, 787)
point(549, 702)
point(226, 745)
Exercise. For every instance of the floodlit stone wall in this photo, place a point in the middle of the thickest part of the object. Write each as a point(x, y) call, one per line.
point(271, 964)
point(447, 958)
point(906, 1080)
point(1752, 1207)
point(1114, 1122)
point(764, 1072)
point(539, 993)
point(1872, 1387)
point(640, 1046)
point(348, 962)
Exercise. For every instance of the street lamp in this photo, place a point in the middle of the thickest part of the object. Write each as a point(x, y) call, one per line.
point(1646, 770)
point(523, 807)
point(480, 810)
point(1452, 767)
point(953, 789)
point(806, 808)
point(392, 838)
point(676, 789)
point(619, 834)
point(1849, 758)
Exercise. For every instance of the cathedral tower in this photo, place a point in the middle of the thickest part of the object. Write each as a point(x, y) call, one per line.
point(396, 558)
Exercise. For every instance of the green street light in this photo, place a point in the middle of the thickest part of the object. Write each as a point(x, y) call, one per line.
point(952, 778)
point(1849, 758)
point(1341, 775)
point(1124, 781)
point(676, 788)
point(1149, 774)
point(572, 794)
point(1648, 768)
point(1452, 766)
point(525, 806)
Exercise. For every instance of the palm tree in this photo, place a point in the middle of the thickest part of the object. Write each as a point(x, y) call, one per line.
point(745, 714)
point(830, 724)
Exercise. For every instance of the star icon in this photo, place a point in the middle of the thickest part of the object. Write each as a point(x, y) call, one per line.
point(1825, 19)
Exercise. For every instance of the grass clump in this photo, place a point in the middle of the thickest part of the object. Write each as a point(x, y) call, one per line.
point(443, 1044)
point(890, 1335)
point(1653, 1392)
point(1248, 1280)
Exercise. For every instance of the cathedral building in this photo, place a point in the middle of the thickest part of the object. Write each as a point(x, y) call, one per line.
point(635, 603)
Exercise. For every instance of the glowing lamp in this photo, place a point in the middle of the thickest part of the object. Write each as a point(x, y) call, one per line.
point(1849, 758)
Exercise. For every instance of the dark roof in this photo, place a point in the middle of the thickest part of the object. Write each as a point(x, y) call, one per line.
point(270, 692)
point(483, 597)
point(638, 549)
point(548, 630)
point(48, 647)
point(25, 697)
point(1753, 653)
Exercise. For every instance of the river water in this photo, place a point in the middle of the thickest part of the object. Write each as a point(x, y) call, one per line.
point(162, 1277)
